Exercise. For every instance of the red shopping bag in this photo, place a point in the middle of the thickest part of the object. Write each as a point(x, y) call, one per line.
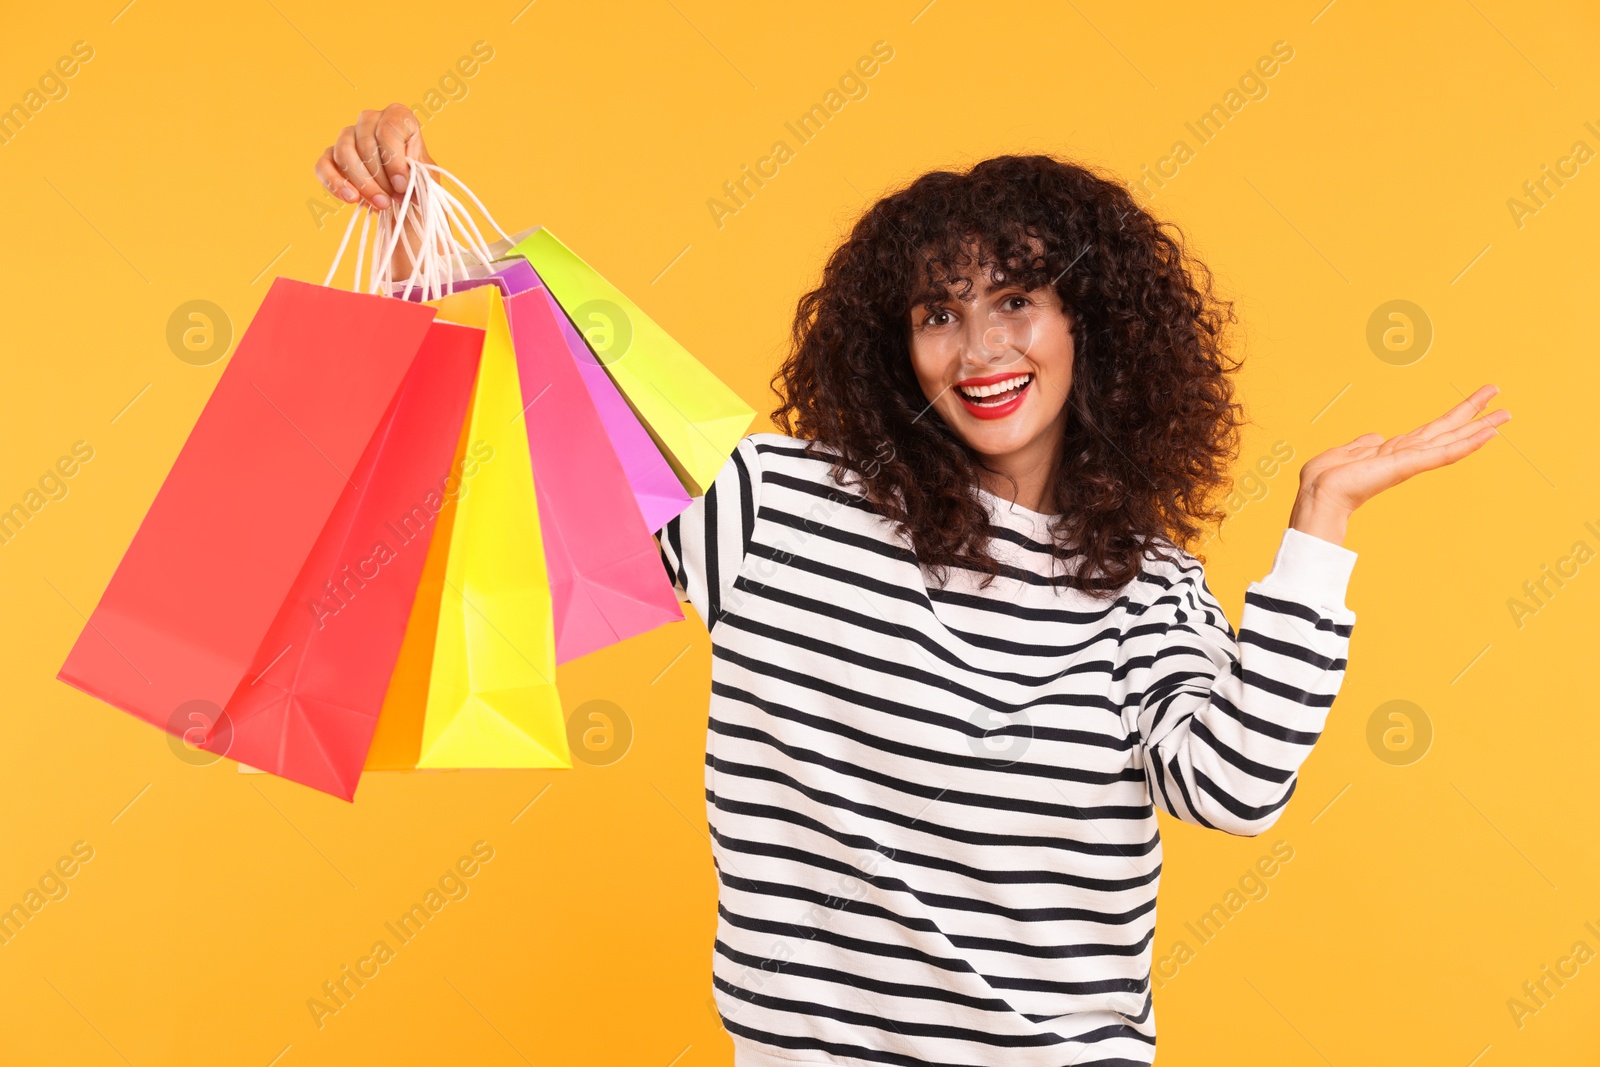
point(397, 738)
point(309, 703)
point(606, 578)
point(241, 511)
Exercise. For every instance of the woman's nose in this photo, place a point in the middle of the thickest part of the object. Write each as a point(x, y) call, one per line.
point(999, 341)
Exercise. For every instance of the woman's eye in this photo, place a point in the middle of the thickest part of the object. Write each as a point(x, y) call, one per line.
point(937, 318)
point(1017, 303)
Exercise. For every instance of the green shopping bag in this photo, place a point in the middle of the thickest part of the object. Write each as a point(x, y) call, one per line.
point(694, 418)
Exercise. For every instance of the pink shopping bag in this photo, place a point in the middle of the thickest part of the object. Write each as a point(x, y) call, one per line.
point(656, 489)
point(606, 578)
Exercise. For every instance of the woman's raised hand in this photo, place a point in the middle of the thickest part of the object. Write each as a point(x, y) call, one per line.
point(371, 160)
point(1336, 482)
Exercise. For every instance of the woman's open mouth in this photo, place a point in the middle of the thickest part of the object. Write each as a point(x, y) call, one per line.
point(997, 397)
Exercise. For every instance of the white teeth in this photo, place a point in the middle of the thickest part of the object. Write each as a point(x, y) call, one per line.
point(977, 392)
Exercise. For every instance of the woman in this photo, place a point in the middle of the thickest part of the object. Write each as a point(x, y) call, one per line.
point(960, 654)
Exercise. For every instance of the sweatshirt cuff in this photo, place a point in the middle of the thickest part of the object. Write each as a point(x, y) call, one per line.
point(1311, 570)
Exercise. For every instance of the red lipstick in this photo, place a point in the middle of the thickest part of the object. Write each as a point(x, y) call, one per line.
point(1013, 401)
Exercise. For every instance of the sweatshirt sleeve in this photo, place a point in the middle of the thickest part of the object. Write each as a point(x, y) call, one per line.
point(704, 546)
point(1226, 720)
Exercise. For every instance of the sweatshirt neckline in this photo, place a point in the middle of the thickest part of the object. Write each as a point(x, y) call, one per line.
point(1003, 505)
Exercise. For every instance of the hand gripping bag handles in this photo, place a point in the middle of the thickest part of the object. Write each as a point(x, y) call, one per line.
point(255, 595)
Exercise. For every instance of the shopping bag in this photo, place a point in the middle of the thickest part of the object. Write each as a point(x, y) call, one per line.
point(694, 418)
point(659, 494)
point(492, 698)
point(606, 579)
point(512, 277)
point(240, 512)
point(607, 582)
point(397, 740)
point(308, 705)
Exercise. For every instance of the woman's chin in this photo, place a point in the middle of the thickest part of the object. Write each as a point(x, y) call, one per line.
point(997, 438)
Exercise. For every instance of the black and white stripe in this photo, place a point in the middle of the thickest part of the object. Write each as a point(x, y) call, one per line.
point(933, 810)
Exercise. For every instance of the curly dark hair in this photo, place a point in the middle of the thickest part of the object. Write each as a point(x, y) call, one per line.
point(1152, 427)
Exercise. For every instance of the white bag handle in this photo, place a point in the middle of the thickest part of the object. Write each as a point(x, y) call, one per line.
point(449, 247)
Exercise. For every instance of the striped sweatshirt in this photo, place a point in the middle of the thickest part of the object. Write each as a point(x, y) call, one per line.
point(932, 808)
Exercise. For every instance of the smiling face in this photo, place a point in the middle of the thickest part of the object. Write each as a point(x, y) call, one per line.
point(995, 361)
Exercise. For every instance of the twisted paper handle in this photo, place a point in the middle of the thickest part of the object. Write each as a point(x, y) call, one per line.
point(449, 243)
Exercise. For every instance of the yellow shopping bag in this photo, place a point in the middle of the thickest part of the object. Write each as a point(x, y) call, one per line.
point(491, 698)
point(694, 418)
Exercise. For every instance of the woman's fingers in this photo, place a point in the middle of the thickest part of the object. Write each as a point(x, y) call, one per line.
point(1449, 446)
point(1369, 464)
point(348, 160)
point(328, 174)
point(1456, 416)
point(372, 159)
point(1447, 450)
point(1470, 430)
point(397, 131)
point(1453, 434)
point(367, 149)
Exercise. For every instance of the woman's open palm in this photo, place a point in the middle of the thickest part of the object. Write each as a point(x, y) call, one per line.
point(1354, 473)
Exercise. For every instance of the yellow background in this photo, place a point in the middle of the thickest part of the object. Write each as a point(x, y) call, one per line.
point(1378, 167)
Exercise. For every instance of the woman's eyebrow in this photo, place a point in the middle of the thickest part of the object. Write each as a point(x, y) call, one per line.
point(960, 287)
